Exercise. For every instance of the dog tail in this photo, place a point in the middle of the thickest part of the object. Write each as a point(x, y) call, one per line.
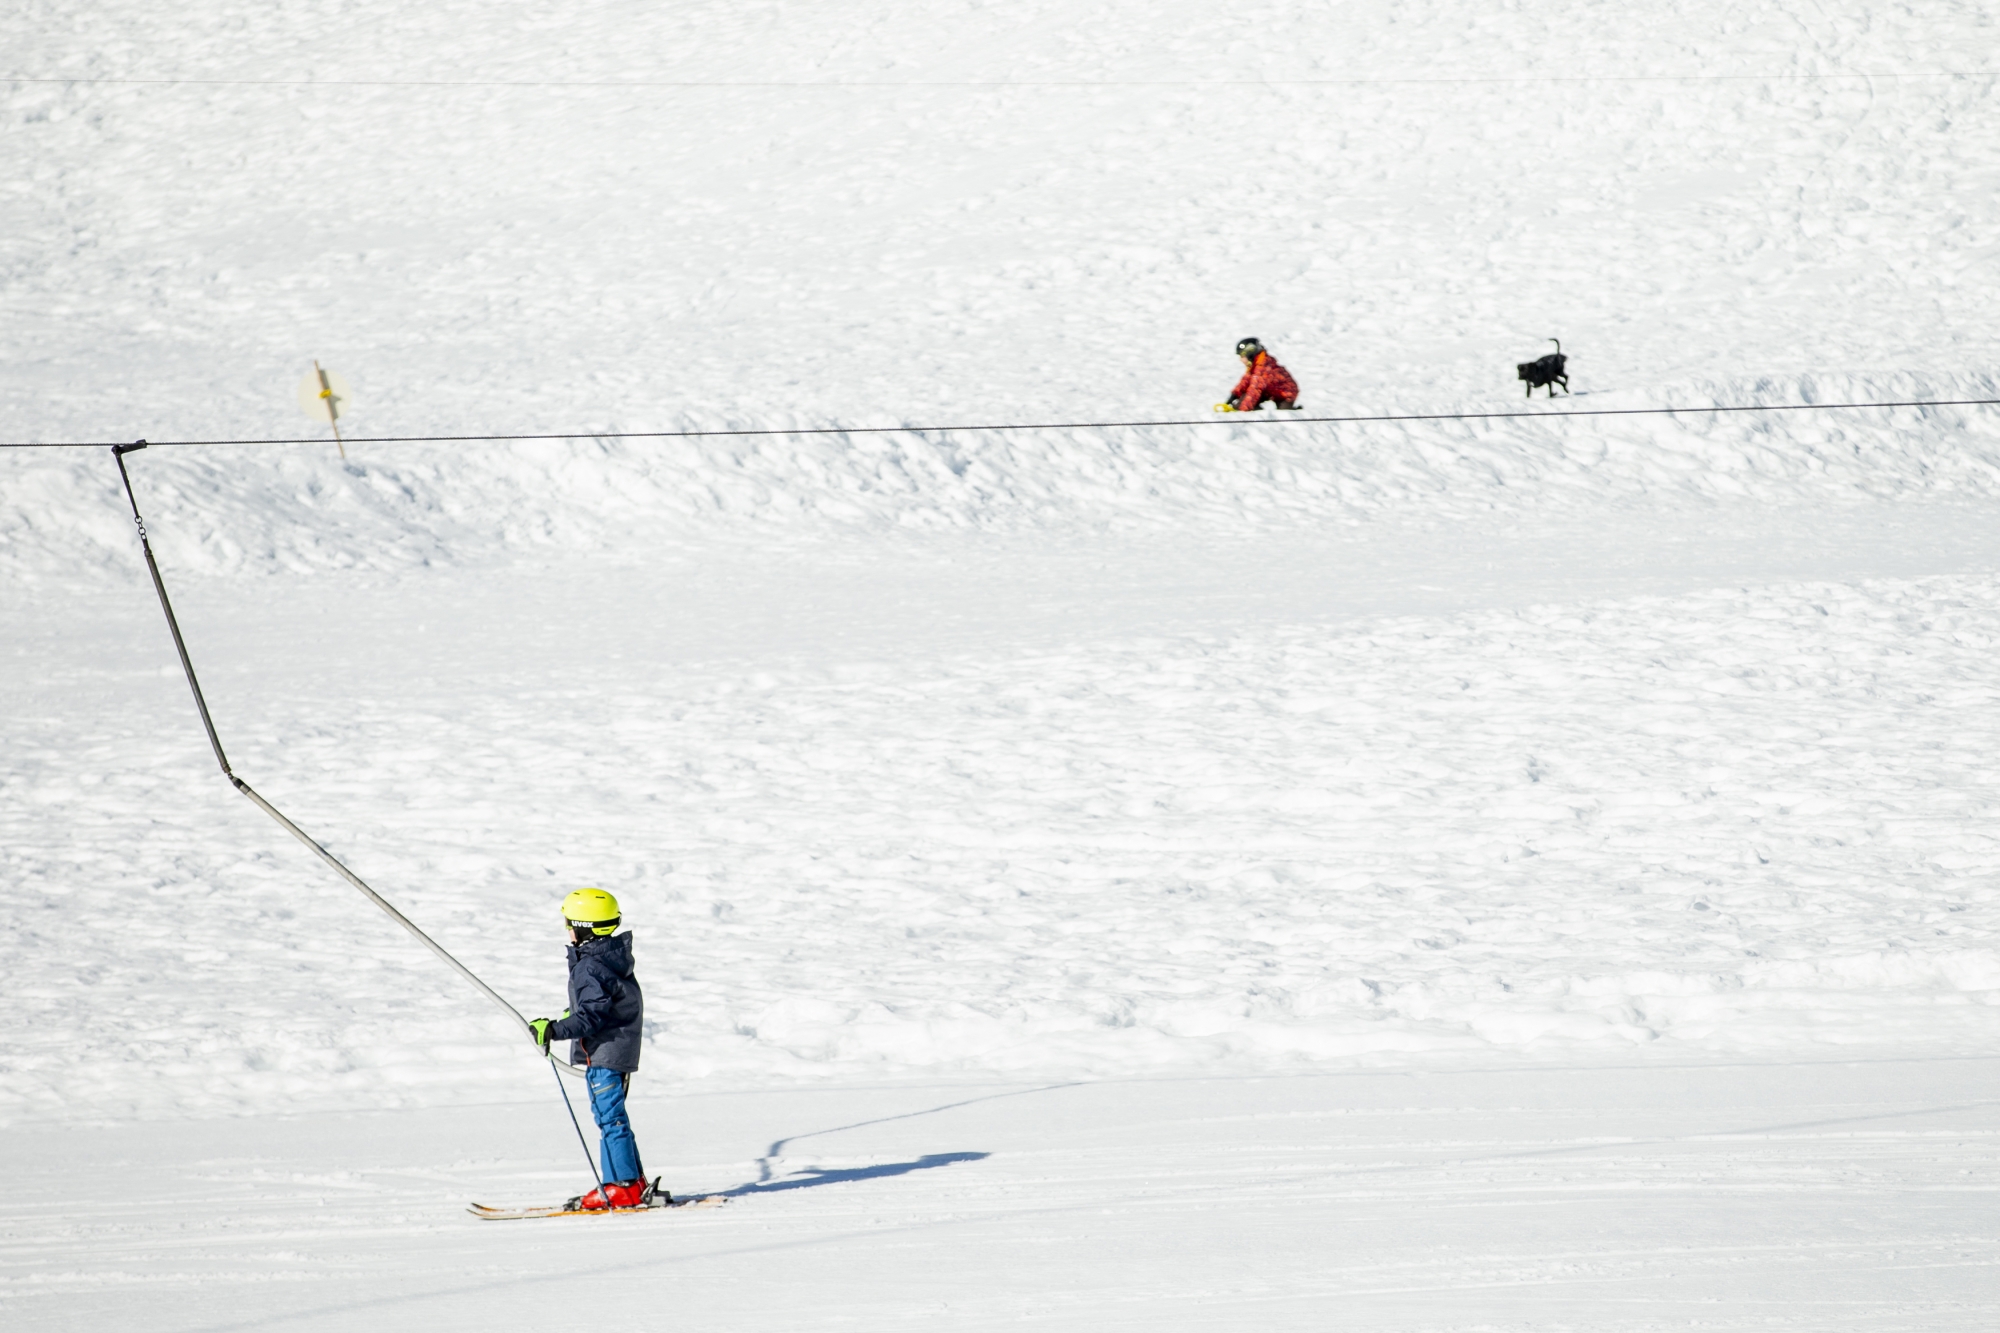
point(1559, 345)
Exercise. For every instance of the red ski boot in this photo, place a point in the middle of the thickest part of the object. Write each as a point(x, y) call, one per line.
point(623, 1194)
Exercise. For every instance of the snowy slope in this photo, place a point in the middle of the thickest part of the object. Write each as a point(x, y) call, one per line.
point(1803, 1197)
point(1750, 821)
point(517, 221)
point(1744, 820)
point(1482, 875)
point(509, 218)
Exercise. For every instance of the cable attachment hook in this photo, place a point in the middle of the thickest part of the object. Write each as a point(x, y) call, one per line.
point(118, 452)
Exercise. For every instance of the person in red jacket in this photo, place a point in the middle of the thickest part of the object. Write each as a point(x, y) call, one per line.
point(1263, 378)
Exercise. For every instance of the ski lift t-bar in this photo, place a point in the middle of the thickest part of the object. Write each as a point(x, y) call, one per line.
point(118, 452)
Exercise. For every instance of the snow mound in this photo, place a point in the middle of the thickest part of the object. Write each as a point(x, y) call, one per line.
point(240, 509)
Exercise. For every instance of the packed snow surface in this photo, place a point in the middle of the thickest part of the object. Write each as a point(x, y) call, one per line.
point(1222, 810)
point(1771, 1196)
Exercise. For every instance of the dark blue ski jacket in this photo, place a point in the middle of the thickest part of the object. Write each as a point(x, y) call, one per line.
point(605, 1006)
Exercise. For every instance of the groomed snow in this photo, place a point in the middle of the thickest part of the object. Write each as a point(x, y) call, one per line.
point(1766, 1196)
point(1286, 840)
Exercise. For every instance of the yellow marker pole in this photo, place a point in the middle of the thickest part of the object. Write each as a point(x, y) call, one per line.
point(332, 406)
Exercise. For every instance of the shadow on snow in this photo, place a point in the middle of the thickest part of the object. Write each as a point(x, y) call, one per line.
point(806, 1179)
point(813, 1176)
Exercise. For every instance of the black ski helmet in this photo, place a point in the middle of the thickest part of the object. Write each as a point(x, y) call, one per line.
point(1248, 348)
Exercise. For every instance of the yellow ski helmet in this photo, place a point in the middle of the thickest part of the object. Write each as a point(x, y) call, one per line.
point(591, 909)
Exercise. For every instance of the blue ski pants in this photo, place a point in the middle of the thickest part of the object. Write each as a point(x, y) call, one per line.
point(618, 1149)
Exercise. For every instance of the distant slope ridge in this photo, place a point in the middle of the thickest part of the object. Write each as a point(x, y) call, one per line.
point(241, 508)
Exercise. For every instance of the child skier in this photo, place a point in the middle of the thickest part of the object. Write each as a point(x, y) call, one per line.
point(602, 1027)
point(1262, 378)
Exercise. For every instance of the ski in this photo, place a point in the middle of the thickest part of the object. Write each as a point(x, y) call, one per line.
point(492, 1214)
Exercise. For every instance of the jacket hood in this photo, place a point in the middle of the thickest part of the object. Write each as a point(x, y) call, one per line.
point(612, 952)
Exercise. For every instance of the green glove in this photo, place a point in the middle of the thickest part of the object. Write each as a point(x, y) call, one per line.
point(538, 1028)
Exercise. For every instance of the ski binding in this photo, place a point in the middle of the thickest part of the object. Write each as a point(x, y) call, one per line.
point(492, 1214)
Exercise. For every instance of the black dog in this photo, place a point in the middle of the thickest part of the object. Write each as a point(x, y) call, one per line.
point(1546, 371)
